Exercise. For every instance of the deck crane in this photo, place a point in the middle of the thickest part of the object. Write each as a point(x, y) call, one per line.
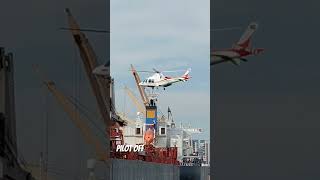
point(151, 115)
point(80, 123)
point(127, 119)
point(135, 100)
point(142, 92)
point(99, 86)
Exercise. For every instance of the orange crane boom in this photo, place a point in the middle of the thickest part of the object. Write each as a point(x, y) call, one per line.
point(135, 100)
point(99, 86)
point(78, 121)
point(142, 92)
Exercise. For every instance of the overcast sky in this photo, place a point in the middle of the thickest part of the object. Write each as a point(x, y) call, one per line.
point(166, 35)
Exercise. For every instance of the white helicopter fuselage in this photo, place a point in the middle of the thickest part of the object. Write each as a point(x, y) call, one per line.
point(159, 80)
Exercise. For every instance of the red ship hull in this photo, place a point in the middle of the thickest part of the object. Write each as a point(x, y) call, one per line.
point(150, 154)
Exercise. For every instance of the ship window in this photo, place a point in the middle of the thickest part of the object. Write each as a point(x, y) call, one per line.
point(162, 130)
point(138, 130)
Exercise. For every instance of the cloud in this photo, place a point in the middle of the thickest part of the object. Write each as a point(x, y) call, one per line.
point(166, 35)
point(188, 107)
point(143, 32)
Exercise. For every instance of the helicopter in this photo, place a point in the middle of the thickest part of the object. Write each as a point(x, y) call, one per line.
point(158, 79)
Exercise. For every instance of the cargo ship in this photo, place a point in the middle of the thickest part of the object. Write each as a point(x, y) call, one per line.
point(164, 144)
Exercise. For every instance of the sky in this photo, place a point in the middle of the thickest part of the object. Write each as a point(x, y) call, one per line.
point(265, 111)
point(166, 35)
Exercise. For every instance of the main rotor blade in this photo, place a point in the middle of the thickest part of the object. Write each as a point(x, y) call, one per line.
point(144, 71)
point(87, 30)
point(175, 70)
point(156, 70)
point(243, 59)
point(226, 29)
